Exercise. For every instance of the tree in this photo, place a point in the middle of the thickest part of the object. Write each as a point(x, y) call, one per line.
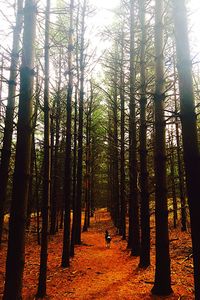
point(17, 222)
point(189, 130)
point(134, 234)
point(68, 168)
point(47, 164)
point(122, 142)
point(88, 160)
point(74, 205)
point(115, 151)
point(55, 161)
point(8, 129)
point(80, 129)
point(144, 210)
point(162, 284)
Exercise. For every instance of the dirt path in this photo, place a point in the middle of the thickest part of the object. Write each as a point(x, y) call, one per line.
point(105, 273)
point(100, 273)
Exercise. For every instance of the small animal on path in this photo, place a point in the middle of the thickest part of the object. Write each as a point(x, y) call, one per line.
point(107, 239)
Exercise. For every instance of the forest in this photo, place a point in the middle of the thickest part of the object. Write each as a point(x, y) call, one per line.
point(99, 130)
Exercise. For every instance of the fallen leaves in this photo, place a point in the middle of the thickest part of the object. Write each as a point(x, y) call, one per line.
point(100, 273)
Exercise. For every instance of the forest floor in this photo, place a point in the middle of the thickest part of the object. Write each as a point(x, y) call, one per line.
point(98, 272)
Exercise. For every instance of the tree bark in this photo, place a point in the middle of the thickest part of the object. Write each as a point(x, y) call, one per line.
point(162, 284)
point(41, 292)
point(134, 234)
point(144, 210)
point(179, 162)
point(88, 164)
point(8, 129)
point(80, 130)
point(122, 145)
point(115, 152)
point(189, 131)
point(17, 222)
point(54, 202)
point(74, 222)
point(68, 168)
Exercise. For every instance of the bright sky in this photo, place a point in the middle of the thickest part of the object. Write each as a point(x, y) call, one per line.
point(104, 16)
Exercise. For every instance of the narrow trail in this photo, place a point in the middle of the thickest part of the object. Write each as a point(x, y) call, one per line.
point(106, 272)
point(97, 272)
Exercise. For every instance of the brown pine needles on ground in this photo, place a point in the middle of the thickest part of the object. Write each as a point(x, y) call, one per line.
point(97, 272)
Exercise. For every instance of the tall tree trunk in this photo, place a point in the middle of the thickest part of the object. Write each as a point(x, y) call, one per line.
point(37, 185)
point(74, 222)
point(173, 182)
point(87, 206)
point(8, 129)
point(80, 130)
point(1, 86)
point(122, 145)
point(115, 153)
point(30, 204)
point(54, 202)
point(179, 162)
point(144, 211)
point(74, 189)
point(162, 284)
point(41, 292)
point(92, 179)
point(68, 169)
point(88, 163)
point(189, 131)
point(16, 240)
point(37, 180)
point(181, 181)
point(134, 234)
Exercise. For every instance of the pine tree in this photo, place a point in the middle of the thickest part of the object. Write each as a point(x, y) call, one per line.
point(68, 168)
point(47, 164)
point(162, 284)
point(17, 222)
point(189, 131)
point(8, 129)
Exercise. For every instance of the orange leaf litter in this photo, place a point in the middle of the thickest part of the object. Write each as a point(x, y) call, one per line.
point(97, 272)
